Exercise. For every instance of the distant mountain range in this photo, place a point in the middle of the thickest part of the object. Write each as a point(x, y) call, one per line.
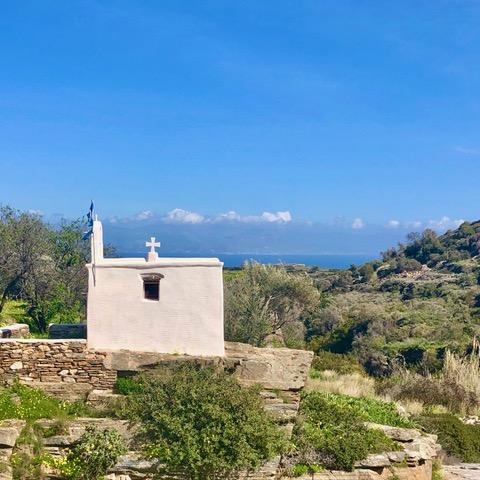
point(258, 238)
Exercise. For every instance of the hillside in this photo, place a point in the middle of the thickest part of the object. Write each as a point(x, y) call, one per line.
point(407, 307)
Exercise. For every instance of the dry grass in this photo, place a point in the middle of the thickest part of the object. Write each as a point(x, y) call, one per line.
point(353, 384)
point(464, 370)
point(456, 387)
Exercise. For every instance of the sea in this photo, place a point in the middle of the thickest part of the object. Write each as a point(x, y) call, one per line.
point(233, 260)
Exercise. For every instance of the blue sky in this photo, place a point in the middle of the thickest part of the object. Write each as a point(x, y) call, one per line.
point(361, 117)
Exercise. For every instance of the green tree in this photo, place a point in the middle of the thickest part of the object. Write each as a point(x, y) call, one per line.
point(266, 300)
point(57, 290)
point(24, 250)
point(43, 265)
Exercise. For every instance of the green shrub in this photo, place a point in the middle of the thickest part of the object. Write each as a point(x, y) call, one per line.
point(333, 435)
point(457, 439)
point(25, 403)
point(367, 409)
point(201, 424)
point(301, 469)
point(340, 363)
point(127, 385)
point(91, 456)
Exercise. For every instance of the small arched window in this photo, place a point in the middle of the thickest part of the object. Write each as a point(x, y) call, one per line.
point(151, 286)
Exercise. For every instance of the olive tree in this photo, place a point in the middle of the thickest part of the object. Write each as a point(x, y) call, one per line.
point(267, 300)
point(24, 250)
point(44, 266)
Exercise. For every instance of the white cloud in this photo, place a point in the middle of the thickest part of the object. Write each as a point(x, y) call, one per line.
point(467, 150)
point(178, 215)
point(231, 215)
point(358, 224)
point(393, 224)
point(280, 217)
point(268, 217)
point(145, 215)
point(445, 223)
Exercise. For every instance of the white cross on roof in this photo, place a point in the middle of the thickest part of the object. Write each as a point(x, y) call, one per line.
point(152, 244)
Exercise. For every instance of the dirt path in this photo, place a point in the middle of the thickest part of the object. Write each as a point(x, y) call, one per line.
point(462, 471)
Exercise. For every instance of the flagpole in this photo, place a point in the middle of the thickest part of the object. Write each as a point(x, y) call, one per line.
point(93, 254)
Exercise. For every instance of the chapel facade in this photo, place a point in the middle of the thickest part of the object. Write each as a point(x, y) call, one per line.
point(154, 304)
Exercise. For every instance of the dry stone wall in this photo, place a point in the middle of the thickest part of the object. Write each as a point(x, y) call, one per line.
point(54, 361)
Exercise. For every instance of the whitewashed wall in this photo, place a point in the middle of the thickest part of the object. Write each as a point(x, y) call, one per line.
point(188, 318)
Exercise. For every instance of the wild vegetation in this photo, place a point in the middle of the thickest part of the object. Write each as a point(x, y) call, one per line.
point(406, 309)
point(90, 458)
point(396, 329)
point(332, 434)
point(201, 423)
point(399, 328)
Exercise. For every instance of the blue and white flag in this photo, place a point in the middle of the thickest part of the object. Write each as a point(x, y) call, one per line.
point(88, 233)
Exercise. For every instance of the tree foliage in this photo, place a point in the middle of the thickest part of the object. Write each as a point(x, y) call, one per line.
point(267, 300)
point(43, 265)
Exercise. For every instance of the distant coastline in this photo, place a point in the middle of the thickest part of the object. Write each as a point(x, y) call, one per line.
point(238, 259)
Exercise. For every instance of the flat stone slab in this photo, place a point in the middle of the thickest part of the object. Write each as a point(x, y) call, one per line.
point(396, 433)
point(9, 432)
point(462, 471)
point(74, 429)
point(15, 330)
point(273, 368)
point(67, 330)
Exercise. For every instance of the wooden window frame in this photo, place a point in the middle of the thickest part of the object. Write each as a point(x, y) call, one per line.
point(151, 279)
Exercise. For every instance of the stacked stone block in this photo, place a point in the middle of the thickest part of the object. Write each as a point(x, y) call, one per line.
point(54, 361)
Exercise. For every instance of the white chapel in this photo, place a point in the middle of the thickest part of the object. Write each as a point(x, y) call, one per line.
point(154, 304)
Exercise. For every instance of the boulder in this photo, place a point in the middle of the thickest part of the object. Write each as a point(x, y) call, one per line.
point(273, 368)
point(5, 467)
point(421, 449)
point(132, 464)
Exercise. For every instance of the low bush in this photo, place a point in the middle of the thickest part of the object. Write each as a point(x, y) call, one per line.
point(457, 439)
point(340, 363)
point(127, 385)
point(332, 434)
point(201, 424)
point(367, 409)
point(91, 456)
